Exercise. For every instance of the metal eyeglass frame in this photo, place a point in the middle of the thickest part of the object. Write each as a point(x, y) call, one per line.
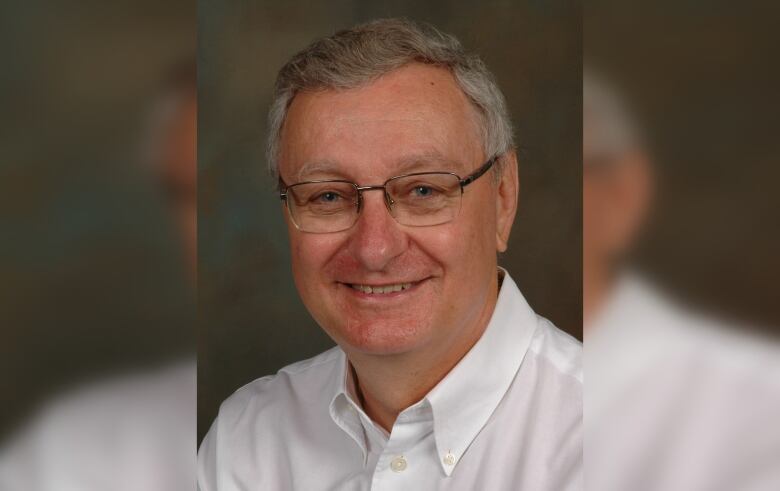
point(463, 181)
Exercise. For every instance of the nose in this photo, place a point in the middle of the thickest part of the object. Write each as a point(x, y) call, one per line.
point(376, 239)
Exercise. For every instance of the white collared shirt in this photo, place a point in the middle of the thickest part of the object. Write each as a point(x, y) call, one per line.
point(508, 416)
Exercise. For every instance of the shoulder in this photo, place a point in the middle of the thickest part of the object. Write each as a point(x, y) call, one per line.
point(557, 349)
point(293, 402)
point(547, 394)
point(558, 354)
point(295, 386)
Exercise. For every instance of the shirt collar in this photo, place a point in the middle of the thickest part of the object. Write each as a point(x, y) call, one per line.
point(466, 398)
point(344, 411)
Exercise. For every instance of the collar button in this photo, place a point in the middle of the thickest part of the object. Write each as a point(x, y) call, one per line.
point(449, 459)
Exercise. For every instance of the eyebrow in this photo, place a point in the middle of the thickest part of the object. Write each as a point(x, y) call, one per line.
point(420, 162)
point(430, 161)
point(329, 167)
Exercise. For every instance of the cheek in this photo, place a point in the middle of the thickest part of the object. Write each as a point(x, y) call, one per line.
point(462, 247)
point(477, 223)
point(309, 254)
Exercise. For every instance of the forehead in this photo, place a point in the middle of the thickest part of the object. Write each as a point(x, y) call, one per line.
point(417, 110)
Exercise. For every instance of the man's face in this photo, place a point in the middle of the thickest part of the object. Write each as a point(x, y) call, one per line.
point(413, 119)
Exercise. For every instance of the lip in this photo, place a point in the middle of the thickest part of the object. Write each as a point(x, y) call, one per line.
point(414, 285)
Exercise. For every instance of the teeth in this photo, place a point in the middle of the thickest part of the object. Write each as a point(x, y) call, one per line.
point(376, 290)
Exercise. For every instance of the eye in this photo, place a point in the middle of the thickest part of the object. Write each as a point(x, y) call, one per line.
point(327, 197)
point(422, 191)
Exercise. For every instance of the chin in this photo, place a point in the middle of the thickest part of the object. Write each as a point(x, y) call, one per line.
point(382, 338)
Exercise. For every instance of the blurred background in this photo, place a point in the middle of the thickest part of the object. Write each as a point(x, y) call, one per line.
point(253, 322)
point(680, 245)
point(701, 83)
point(96, 281)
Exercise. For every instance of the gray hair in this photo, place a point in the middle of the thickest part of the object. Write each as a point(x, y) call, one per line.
point(354, 57)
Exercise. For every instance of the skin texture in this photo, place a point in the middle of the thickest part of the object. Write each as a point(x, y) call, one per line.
point(413, 119)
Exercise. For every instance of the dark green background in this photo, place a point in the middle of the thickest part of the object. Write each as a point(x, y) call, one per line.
point(252, 321)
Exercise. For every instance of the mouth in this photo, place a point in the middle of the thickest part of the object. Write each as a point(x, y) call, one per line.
point(383, 290)
point(380, 289)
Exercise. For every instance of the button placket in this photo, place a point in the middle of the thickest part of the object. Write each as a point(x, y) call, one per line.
point(407, 433)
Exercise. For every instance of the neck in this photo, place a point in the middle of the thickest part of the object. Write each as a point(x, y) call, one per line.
point(388, 384)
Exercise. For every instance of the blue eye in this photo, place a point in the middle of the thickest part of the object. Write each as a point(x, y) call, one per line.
point(422, 191)
point(328, 197)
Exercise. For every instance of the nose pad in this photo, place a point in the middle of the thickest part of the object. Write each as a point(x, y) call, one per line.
point(376, 239)
point(389, 202)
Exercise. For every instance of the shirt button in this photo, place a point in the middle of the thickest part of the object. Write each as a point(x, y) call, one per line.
point(398, 464)
point(449, 459)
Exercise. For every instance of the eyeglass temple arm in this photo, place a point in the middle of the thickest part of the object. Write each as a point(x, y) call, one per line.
point(479, 172)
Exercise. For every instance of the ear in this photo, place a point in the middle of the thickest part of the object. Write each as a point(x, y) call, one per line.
point(507, 190)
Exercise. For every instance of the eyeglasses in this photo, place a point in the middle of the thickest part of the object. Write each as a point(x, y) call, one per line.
point(418, 200)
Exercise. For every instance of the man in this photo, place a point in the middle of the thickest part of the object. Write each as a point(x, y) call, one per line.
point(398, 176)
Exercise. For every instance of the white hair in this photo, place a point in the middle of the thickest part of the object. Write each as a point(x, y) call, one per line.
point(357, 56)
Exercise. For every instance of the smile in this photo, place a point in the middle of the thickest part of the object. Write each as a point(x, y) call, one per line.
point(381, 289)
